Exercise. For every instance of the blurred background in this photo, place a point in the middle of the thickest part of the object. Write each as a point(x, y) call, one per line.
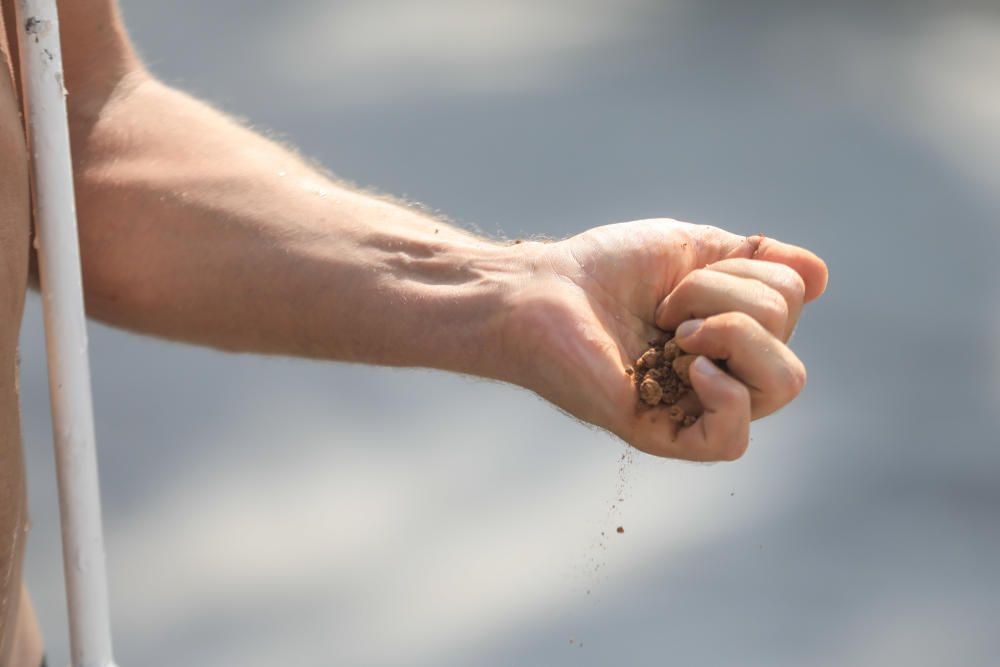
point(272, 511)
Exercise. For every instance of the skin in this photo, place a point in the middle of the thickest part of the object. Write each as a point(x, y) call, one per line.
point(196, 229)
point(19, 642)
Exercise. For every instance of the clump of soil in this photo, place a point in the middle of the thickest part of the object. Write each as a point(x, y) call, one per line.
point(662, 377)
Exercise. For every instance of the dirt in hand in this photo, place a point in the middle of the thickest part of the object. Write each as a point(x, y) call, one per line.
point(662, 377)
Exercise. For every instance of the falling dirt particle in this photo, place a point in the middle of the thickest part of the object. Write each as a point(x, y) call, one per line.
point(620, 529)
point(436, 231)
point(732, 494)
point(572, 641)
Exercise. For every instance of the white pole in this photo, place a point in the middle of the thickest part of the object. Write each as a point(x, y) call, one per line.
point(65, 334)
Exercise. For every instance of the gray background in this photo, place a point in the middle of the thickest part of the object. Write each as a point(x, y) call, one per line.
point(271, 511)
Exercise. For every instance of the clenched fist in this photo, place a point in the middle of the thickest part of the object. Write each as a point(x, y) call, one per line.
point(591, 303)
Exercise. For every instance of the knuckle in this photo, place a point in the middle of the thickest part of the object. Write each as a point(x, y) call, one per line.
point(788, 383)
point(691, 282)
point(734, 396)
point(734, 448)
point(730, 325)
point(683, 234)
point(684, 296)
point(791, 283)
point(797, 377)
point(774, 312)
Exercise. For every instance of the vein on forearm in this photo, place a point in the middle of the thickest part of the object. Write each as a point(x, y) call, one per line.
point(196, 229)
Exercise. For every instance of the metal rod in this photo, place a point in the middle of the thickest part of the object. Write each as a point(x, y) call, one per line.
point(65, 333)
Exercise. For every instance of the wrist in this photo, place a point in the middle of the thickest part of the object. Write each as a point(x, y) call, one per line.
point(511, 277)
point(457, 296)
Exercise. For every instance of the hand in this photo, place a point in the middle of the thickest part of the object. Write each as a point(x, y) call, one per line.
point(594, 301)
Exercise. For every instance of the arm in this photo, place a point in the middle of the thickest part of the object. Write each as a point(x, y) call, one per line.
point(197, 229)
point(221, 237)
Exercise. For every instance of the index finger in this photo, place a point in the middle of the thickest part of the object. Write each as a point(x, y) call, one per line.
point(807, 264)
point(714, 244)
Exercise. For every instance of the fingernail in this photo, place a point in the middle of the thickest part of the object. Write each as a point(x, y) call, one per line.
point(706, 367)
point(688, 328)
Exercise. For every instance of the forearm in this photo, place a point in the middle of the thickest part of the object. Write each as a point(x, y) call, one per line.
point(197, 229)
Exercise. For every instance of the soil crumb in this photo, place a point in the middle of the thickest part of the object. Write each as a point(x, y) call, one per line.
point(620, 530)
point(662, 377)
